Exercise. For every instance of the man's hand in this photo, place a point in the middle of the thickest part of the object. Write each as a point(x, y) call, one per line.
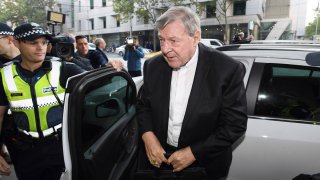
point(154, 150)
point(4, 167)
point(117, 64)
point(181, 159)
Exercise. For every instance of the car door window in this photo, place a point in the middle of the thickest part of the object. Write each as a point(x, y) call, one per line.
point(103, 106)
point(214, 43)
point(289, 92)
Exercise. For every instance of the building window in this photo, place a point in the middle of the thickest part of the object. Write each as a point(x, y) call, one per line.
point(72, 15)
point(91, 23)
point(91, 4)
point(239, 8)
point(79, 25)
point(104, 3)
point(79, 6)
point(118, 20)
point(104, 22)
point(210, 10)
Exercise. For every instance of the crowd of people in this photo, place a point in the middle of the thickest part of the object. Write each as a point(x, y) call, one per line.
point(188, 75)
point(240, 39)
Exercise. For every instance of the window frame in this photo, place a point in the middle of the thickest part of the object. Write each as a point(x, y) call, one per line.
point(253, 86)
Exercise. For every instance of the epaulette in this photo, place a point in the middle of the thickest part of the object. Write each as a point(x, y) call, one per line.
point(11, 62)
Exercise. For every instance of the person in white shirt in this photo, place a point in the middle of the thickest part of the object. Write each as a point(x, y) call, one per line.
point(192, 106)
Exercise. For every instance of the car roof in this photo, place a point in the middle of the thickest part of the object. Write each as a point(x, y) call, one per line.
point(271, 50)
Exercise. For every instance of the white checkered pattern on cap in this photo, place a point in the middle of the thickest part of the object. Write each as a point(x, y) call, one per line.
point(34, 31)
point(6, 33)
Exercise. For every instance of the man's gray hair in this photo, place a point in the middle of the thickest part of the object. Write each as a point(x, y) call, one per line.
point(98, 41)
point(190, 19)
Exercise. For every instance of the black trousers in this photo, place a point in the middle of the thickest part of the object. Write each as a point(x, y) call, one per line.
point(41, 161)
point(135, 73)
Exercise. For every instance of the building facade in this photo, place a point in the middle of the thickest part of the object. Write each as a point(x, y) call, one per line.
point(264, 19)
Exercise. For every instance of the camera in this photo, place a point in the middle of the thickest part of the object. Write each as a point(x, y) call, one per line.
point(62, 46)
point(130, 41)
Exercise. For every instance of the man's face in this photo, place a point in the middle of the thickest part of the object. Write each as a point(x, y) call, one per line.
point(4, 44)
point(33, 51)
point(103, 44)
point(82, 46)
point(176, 45)
point(135, 42)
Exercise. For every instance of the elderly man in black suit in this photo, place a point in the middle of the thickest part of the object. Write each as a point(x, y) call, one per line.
point(193, 102)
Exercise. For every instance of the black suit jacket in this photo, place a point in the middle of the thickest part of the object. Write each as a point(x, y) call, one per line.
point(216, 112)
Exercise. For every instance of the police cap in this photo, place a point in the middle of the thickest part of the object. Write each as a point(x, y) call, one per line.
point(30, 32)
point(5, 30)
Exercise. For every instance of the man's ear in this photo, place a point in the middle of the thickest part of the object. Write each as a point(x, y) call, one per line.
point(16, 43)
point(197, 37)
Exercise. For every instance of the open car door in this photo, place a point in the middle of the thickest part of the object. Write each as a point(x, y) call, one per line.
point(100, 133)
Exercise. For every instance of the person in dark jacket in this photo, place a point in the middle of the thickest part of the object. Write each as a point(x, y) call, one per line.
point(133, 54)
point(100, 46)
point(192, 106)
point(96, 58)
point(75, 58)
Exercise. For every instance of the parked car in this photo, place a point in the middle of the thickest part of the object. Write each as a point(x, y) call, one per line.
point(92, 46)
point(214, 43)
point(121, 49)
point(100, 132)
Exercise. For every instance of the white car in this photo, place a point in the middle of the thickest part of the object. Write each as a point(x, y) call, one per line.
point(100, 133)
point(214, 43)
point(121, 49)
point(92, 46)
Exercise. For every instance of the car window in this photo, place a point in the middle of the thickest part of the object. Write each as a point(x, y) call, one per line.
point(289, 92)
point(103, 106)
point(214, 43)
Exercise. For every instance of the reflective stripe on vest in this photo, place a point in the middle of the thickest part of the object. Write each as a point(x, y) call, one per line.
point(54, 80)
point(19, 95)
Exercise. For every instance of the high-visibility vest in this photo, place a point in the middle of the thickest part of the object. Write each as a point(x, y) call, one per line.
point(30, 104)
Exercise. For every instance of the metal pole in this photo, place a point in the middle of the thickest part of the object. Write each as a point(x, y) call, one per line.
point(317, 11)
point(53, 33)
point(131, 27)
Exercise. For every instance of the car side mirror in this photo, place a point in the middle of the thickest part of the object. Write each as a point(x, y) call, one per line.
point(313, 59)
point(108, 108)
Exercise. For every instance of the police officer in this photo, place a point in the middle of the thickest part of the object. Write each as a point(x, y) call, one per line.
point(7, 49)
point(33, 88)
point(8, 52)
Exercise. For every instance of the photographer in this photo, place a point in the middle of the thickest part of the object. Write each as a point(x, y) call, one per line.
point(133, 54)
point(239, 39)
point(63, 47)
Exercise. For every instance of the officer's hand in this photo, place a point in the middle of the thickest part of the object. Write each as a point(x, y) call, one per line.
point(4, 167)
